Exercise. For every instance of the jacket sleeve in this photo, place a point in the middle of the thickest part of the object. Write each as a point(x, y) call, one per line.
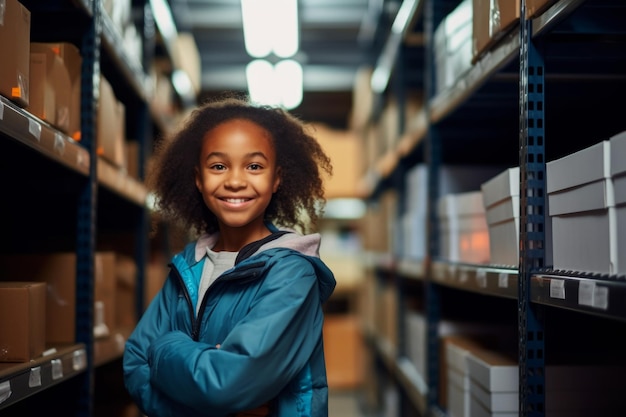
point(258, 358)
point(154, 323)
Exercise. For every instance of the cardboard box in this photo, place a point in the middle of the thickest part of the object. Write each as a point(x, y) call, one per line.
point(72, 61)
point(536, 7)
point(343, 350)
point(495, 371)
point(22, 321)
point(463, 226)
point(501, 203)
point(581, 209)
point(491, 21)
point(15, 52)
point(50, 87)
point(58, 271)
point(618, 179)
point(111, 126)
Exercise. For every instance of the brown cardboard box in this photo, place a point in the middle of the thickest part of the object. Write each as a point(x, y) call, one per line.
point(14, 52)
point(126, 280)
point(346, 154)
point(491, 21)
point(111, 126)
point(343, 351)
point(58, 271)
point(535, 7)
point(72, 61)
point(50, 95)
point(104, 292)
point(22, 320)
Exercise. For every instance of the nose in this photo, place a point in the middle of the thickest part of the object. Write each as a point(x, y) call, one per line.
point(235, 179)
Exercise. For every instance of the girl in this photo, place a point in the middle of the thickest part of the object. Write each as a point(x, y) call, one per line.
point(238, 323)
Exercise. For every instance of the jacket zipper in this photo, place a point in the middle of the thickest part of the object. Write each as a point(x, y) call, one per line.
point(187, 297)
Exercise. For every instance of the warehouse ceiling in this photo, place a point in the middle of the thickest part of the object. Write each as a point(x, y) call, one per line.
point(337, 37)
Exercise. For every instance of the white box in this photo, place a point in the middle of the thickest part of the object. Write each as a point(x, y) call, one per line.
point(501, 202)
point(416, 329)
point(582, 211)
point(478, 410)
point(495, 371)
point(464, 236)
point(618, 177)
point(507, 401)
point(457, 394)
point(413, 231)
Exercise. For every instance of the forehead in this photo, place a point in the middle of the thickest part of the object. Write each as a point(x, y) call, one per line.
point(239, 133)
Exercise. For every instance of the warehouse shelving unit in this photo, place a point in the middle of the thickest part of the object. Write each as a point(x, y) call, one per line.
point(543, 91)
point(61, 196)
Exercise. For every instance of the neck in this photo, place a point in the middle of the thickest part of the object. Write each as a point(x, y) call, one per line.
point(234, 239)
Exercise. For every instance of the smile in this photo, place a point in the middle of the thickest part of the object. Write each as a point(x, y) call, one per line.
point(236, 200)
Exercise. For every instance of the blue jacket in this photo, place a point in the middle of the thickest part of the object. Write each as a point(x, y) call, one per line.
point(266, 315)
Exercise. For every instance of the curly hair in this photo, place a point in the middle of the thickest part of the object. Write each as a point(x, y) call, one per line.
point(299, 200)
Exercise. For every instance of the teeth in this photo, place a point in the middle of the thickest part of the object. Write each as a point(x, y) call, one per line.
point(236, 200)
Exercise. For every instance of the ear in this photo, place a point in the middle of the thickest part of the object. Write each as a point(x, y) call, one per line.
point(276, 180)
point(198, 179)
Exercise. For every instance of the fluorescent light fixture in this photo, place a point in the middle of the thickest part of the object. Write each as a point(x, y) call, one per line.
point(288, 82)
point(279, 85)
point(164, 20)
point(270, 26)
point(260, 75)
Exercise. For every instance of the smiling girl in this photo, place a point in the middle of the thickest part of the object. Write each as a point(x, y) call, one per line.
point(236, 329)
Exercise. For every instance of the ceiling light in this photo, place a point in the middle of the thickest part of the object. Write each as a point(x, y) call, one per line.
point(279, 85)
point(270, 26)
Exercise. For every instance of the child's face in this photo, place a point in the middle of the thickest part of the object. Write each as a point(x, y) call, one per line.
point(237, 173)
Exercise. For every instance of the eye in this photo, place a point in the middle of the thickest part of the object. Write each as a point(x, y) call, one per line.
point(255, 167)
point(218, 167)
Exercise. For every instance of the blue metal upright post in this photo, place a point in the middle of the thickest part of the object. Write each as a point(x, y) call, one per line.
point(86, 212)
point(532, 221)
point(433, 14)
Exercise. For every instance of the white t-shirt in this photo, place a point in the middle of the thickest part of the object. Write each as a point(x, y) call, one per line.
point(218, 263)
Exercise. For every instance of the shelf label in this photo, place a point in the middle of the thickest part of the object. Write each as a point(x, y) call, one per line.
point(503, 280)
point(5, 391)
point(34, 129)
point(79, 360)
point(557, 289)
point(34, 377)
point(481, 278)
point(57, 368)
point(601, 297)
point(585, 293)
point(59, 143)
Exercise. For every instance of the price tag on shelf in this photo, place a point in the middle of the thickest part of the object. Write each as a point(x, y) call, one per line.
point(481, 278)
point(34, 377)
point(557, 289)
point(57, 369)
point(34, 129)
point(503, 280)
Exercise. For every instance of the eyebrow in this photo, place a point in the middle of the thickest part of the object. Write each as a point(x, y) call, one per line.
point(248, 155)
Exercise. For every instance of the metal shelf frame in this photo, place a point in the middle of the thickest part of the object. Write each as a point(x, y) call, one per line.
point(530, 51)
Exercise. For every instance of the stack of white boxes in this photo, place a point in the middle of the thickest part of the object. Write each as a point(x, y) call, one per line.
point(453, 46)
point(618, 177)
point(501, 203)
point(457, 379)
point(416, 331)
point(464, 236)
point(494, 384)
point(582, 210)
